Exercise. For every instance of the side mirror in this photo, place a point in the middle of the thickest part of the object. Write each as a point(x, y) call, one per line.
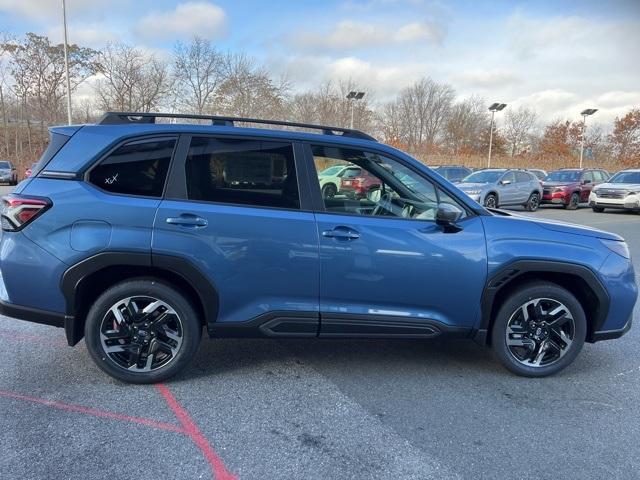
point(586, 181)
point(505, 182)
point(447, 216)
point(374, 194)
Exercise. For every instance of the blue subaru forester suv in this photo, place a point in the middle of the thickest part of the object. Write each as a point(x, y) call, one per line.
point(134, 234)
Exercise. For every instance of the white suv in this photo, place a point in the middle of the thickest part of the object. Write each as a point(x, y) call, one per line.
point(622, 191)
point(331, 177)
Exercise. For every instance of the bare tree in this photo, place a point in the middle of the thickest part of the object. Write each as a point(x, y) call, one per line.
point(465, 126)
point(518, 125)
point(249, 91)
point(132, 80)
point(199, 72)
point(39, 75)
point(423, 109)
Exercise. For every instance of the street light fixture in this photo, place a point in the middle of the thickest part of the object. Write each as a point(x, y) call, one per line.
point(495, 107)
point(585, 114)
point(353, 96)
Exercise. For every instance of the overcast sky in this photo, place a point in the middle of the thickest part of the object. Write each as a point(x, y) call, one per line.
point(557, 56)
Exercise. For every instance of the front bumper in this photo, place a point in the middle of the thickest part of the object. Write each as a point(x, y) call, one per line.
point(559, 198)
point(612, 334)
point(630, 202)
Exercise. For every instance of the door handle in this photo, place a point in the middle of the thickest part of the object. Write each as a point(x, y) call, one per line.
point(341, 233)
point(187, 220)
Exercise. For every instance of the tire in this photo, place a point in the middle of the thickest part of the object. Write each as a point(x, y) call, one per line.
point(174, 339)
point(597, 209)
point(491, 201)
point(533, 203)
point(329, 190)
point(539, 337)
point(574, 201)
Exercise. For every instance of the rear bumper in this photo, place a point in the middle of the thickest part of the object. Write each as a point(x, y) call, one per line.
point(33, 315)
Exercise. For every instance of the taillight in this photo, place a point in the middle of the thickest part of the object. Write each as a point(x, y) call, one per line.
point(20, 210)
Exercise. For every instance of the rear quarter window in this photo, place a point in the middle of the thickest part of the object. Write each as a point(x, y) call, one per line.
point(136, 168)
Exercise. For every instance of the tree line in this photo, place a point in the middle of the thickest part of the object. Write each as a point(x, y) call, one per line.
point(426, 119)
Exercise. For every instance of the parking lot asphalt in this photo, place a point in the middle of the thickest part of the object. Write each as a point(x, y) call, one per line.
point(262, 409)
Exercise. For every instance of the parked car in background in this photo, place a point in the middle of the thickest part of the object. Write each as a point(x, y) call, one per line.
point(357, 186)
point(8, 173)
point(29, 171)
point(622, 191)
point(453, 173)
point(541, 174)
point(570, 187)
point(330, 178)
point(499, 187)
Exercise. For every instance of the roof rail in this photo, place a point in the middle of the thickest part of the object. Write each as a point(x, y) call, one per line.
point(120, 118)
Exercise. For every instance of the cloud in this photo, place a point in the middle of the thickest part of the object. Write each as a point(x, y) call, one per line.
point(189, 19)
point(487, 79)
point(349, 34)
point(86, 35)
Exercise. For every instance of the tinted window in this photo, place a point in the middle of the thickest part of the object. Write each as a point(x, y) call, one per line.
point(137, 168)
point(564, 176)
point(242, 172)
point(5, 165)
point(626, 177)
point(485, 176)
point(459, 174)
point(523, 177)
point(587, 176)
point(509, 177)
point(384, 187)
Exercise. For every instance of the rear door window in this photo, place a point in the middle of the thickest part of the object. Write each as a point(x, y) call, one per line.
point(242, 172)
point(136, 168)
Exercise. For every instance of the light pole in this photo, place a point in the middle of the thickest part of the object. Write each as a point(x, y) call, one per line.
point(353, 96)
point(495, 107)
point(585, 114)
point(66, 60)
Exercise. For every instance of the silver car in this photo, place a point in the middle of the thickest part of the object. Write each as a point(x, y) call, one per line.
point(501, 187)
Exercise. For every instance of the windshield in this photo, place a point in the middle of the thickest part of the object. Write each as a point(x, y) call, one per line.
point(331, 170)
point(484, 176)
point(564, 176)
point(5, 165)
point(626, 177)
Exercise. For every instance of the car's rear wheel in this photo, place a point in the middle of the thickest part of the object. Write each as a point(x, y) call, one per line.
point(539, 330)
point(574, 201)
point(142, 331)
point(598, 209)
point(533, 203)
point(491, 201)
point(329, 190)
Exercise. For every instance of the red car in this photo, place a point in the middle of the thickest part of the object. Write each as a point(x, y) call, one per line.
point(571, 186)
point(357, 185)
point(29, 171)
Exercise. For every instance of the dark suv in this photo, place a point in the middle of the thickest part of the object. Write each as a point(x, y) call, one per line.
point(570, 187)
point(135, 235)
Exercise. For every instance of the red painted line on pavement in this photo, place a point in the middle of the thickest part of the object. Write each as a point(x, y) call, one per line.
point(94, 412)
point(190, 429)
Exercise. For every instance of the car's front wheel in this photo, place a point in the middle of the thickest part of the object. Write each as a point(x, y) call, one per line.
point(329, 190)
point(142, 331)
point(574, 201)
point(539, 330)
